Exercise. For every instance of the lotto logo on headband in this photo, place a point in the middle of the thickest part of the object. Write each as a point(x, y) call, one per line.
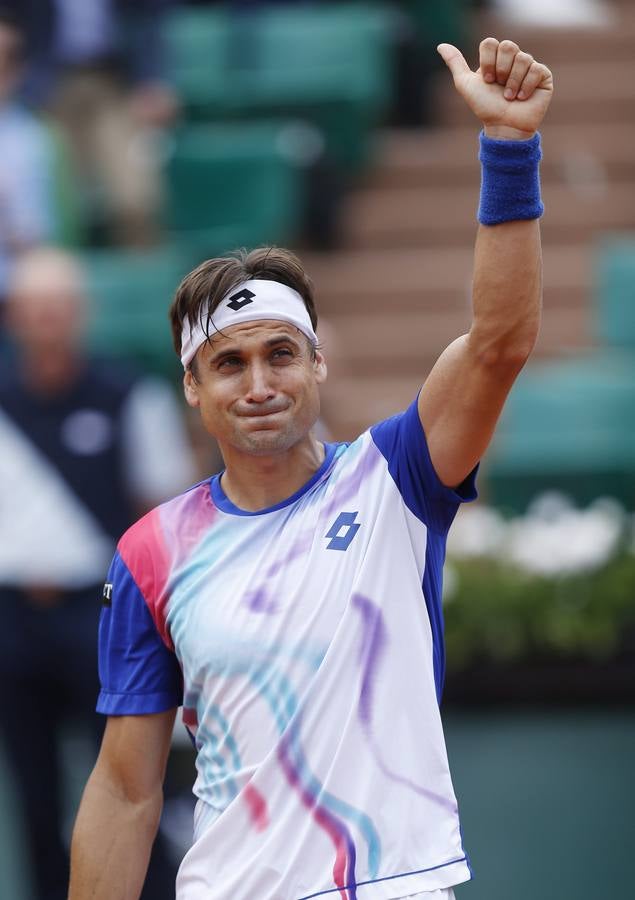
point(241, 299)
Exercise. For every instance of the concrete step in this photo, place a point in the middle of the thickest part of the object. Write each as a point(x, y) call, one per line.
point(357, 402)
point(445, 215)
point(376, 387)
point(410, 280)
point(583, 154)
point(410, 343)
point(379, 359)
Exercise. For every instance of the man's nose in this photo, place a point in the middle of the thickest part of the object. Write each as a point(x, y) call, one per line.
point(259, 388)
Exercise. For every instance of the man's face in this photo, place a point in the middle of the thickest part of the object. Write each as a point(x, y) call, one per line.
point(256, 386)
point(46, 310)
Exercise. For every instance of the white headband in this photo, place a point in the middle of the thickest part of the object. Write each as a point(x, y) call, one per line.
point(249, 302)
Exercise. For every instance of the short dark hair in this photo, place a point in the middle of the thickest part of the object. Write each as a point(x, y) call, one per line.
point(213, 279)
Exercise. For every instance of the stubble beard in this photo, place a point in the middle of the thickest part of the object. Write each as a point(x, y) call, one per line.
point(273, 440)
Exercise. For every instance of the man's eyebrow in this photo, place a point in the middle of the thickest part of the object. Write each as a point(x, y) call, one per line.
point(227, 351)
point(281, 338)
point(238, 351)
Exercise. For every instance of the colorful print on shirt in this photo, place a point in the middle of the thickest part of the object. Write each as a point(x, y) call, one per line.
point(305, 644)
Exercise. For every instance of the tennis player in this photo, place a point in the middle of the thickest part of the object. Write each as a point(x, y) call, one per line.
point(292, 604)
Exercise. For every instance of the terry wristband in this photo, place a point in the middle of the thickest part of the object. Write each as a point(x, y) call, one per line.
point(510, 181)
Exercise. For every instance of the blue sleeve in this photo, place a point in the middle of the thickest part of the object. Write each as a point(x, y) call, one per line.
point(401, 440)
point(138, 673)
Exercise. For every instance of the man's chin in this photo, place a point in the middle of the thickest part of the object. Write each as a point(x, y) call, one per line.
point(267, 440)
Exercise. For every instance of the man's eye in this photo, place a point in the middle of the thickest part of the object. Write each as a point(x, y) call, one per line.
point(230, 362)
point(282, 353)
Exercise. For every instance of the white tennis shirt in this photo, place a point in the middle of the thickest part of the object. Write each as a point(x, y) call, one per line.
point(305, 642)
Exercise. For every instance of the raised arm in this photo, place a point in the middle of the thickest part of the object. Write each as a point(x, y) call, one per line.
point(464, 394)
point(119, 813)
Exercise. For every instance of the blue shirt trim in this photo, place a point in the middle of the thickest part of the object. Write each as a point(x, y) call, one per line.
point(222, 501)
point(432, 594)
point(402, 442)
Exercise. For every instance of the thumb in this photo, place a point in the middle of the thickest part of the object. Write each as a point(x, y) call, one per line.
point(454, 60)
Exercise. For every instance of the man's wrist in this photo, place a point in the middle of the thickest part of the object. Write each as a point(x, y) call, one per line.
point(505, 133)
point(510, 181)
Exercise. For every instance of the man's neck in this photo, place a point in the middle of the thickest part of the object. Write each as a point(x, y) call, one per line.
point(258, 482)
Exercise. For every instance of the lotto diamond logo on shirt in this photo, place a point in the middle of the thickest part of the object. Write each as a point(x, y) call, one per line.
point(342, 531)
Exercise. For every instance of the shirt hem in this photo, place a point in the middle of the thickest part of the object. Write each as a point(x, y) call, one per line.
point(385, 881)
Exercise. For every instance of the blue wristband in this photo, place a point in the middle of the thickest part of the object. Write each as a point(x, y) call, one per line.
point(510, 182)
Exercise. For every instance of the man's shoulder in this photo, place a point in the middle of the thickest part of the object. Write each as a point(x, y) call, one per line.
point(157, 532)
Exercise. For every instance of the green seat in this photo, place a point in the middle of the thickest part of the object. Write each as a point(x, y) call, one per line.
point(130, 295)
point(330, 66)
point(308, 51)
point(197, 46)
point(568, 426)
point(615, 292)
point(235, 184)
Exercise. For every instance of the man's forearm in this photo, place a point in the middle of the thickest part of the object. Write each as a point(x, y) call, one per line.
point(507, 291)
point(112, 841)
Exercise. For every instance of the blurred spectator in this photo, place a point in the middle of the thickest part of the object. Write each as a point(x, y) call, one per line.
point(27, 206)
point(97, 66)
point(84, 449)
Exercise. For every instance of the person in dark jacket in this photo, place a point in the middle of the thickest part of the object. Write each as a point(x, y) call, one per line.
point(84, 448)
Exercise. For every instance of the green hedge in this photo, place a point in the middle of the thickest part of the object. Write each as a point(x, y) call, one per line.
point(495, 612)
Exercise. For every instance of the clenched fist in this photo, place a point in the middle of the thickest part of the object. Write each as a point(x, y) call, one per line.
point(509, 92)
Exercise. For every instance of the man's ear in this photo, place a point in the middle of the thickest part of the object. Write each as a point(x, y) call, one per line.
point(319, 365)
point(190, 389)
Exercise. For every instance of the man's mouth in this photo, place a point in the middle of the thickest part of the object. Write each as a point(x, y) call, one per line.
point(262, 412)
